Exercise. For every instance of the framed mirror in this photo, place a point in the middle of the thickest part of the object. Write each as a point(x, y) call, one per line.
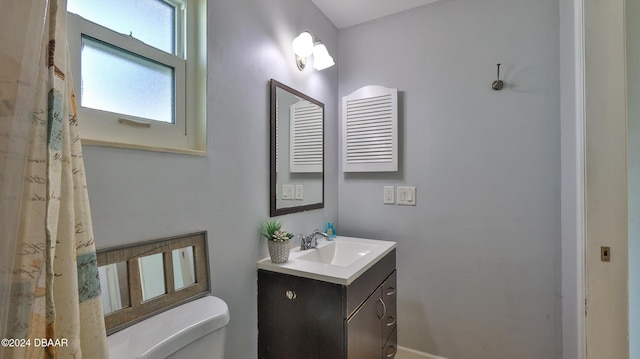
point(152, 278)
point(183, 267)
point(297, 151)
point(114, 286)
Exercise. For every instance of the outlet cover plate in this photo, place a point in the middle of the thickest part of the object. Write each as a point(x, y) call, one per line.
point(287, 191)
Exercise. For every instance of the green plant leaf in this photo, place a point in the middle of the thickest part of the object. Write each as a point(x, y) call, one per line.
point(269, 227)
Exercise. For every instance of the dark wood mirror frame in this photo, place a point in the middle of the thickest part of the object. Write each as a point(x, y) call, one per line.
point(275, 211)
point(140, 309)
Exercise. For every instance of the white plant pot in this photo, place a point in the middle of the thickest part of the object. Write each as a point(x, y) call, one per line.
point(279, 251)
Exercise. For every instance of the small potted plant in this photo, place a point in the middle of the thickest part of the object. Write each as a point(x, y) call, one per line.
point(277, 240)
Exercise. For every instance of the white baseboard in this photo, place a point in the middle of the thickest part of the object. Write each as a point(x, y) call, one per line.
point(406, 353)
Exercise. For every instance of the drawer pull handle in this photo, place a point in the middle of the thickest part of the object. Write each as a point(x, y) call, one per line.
point(291, 294)
point(384, 308)
point(393, 321)
point(392, 354)
point(391, 290)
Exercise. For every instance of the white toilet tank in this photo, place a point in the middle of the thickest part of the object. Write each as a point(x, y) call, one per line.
point(191, 331)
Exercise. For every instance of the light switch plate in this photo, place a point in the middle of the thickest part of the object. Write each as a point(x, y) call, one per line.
point(287, 191)
point(299, 192)
point(406, 196)
point(411, 196)
point(389, 195)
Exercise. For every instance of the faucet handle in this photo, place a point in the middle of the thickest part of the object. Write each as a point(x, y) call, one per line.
point(304, 241)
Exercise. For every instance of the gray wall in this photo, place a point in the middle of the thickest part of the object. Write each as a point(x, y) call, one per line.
point(138, 195)
point(633, 170)
point(479, 256)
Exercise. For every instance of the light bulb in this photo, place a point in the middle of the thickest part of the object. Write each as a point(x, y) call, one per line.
point(303, 44)
point(321, 57)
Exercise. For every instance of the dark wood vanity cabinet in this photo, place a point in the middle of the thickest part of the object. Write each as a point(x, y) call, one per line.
point(307, 318)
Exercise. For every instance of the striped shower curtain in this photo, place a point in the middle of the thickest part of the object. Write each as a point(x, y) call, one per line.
point(50, 304)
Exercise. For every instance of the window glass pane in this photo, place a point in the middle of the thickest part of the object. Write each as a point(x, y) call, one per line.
point(118, 81)
point(151, 21)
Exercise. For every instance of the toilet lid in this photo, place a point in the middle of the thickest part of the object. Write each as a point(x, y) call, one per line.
point(163, 334)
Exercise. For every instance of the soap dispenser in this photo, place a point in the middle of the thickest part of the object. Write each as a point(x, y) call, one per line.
point(331, 231)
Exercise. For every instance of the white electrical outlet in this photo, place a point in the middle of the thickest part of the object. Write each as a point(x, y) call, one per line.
point(406, 196)
point(287, 191)
point(389, 197)
point(299, 192)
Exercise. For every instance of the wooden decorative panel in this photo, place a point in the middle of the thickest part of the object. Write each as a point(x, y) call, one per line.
point(140, 309)
point(370, 130)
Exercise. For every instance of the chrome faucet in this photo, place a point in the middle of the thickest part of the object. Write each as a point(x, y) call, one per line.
point(310, 241)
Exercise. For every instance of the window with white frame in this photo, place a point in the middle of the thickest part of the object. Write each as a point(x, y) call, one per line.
point(134, 63)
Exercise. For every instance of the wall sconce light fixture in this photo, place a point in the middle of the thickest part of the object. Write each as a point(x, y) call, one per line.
point(306, 45)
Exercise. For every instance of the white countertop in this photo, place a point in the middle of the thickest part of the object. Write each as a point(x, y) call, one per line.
point(328, 272)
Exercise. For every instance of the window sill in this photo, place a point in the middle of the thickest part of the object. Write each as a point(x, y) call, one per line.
point(183, 151)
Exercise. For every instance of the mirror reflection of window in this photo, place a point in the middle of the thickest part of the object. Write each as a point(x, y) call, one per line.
point(183, 267)
point(152, 276)
point(115, 286)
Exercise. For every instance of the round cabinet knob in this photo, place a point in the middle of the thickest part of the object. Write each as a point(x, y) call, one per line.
point(291, 294)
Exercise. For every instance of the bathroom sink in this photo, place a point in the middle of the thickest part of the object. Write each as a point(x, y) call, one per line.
point(340, 261)
point(338, 253)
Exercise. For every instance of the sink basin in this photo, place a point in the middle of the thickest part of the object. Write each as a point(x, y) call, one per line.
point(339, 261)
point(338, 253)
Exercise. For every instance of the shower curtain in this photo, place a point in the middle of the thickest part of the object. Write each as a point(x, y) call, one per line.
point(50, 304)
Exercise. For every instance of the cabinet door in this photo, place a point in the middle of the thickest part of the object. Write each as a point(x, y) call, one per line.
point(299, 318)
point(364, 333)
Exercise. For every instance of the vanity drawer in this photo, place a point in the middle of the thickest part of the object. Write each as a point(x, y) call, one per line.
point(390, 288)
point(363, 287)
point(390, 319)
point(390, 348)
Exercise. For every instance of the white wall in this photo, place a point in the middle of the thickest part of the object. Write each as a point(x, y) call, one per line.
point(479, 256)
point(633, 170)
point(138, 195)
point(572, 178)
point(607, 319)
